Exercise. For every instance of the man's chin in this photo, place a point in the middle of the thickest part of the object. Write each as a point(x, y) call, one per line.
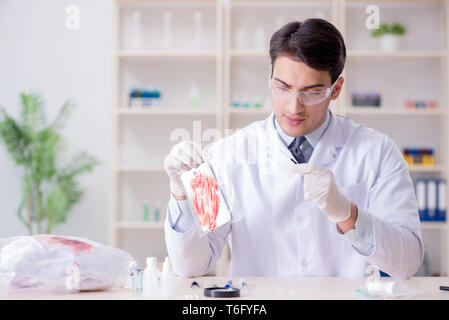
point(294, 131)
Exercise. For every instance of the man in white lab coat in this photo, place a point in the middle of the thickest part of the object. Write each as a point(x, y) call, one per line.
point(347, 202)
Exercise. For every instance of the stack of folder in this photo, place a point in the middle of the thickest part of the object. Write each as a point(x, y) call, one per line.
point(431, 195)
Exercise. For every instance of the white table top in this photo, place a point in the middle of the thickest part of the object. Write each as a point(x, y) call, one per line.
point(260, 289)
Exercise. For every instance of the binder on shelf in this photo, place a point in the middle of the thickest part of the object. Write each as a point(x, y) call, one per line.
point(431, 199)
point(421, 197)
point(431, 195)
point(441, 200)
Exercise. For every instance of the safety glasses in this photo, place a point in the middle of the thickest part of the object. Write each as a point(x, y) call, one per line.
point(307, 98)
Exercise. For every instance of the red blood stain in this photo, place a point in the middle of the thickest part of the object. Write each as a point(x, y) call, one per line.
point(205, 199)
point(74, 244)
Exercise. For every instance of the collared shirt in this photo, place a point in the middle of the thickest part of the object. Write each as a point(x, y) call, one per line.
point(312, 138)
point(181, 216)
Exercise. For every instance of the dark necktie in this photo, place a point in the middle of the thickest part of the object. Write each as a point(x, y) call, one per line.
point(295, 150)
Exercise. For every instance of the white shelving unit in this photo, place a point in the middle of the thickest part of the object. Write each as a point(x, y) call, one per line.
point(138, 178)
point(413, 56)
point(234, 72)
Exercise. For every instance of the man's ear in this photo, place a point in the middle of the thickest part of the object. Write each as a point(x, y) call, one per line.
point(338, 87)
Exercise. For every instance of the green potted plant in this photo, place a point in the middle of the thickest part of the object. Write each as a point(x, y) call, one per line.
point(49, 190)
point(389, 35)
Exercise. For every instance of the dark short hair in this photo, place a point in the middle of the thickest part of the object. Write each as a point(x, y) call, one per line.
point(315, 42)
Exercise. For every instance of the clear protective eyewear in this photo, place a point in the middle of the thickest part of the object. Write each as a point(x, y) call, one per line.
point(307, 98)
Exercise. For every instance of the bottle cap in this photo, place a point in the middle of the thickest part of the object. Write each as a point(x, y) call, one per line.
point(167, 264)
point(194, 91)
point(151, 261)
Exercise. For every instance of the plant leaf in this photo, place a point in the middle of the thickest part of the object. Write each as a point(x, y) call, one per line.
point(15, 139)
point(80, 163)
point(62, 116)
point(45, 151)
point(33, 113)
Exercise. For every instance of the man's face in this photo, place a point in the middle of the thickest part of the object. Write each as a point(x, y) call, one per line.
point(294, 118)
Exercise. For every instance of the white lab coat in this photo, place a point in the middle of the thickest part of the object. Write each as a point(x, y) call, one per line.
point(281, 234)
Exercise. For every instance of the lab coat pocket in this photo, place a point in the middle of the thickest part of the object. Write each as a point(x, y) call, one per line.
point(357, 193)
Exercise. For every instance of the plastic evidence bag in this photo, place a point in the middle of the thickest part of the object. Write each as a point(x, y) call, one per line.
point(55, 263)
point(210, 202)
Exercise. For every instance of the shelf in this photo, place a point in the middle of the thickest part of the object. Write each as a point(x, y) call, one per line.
point(250, 111)
point(141, 169)
point(428, 225)
point(421, 168)
point(392, 111)
point(165, 2)
point(414, 168)
point(248, 54)
point(156, 169)
point(434, 225)
point(165, 54)
point(139, 225)
point(363, 2)
point(396, 54)
point(277, 3)
point(166, 111)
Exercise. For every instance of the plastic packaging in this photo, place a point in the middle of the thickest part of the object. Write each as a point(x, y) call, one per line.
point(212, 206)
point(61, 264)
point(167, 279)
point(151, 277)
point(376, 288)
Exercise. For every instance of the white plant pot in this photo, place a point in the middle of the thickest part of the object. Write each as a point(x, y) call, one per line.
point(389, 42)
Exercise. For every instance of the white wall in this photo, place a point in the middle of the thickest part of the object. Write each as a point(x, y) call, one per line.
point(37, 52)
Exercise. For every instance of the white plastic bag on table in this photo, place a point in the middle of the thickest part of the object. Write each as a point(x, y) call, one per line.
point(62, 264)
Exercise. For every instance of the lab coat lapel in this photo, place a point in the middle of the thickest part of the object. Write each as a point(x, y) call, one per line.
point(282, 154)
point(330, 144)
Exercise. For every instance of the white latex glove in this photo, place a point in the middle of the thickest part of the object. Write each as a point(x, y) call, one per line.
point(183, 157)
point(320, 187)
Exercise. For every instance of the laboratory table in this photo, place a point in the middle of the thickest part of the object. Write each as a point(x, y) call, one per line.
point(260, 288)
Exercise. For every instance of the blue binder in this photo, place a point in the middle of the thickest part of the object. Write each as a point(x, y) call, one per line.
point(441, 200)
point(421, 197)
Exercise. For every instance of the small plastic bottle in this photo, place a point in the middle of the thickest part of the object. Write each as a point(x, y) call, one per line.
point(146, 212)
point(197, 39)
point(136, 31)
point(137, 282)
point(151, 277)
point(194, 97)
point(157, 210)
point(166, 33)
point(167, 279)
